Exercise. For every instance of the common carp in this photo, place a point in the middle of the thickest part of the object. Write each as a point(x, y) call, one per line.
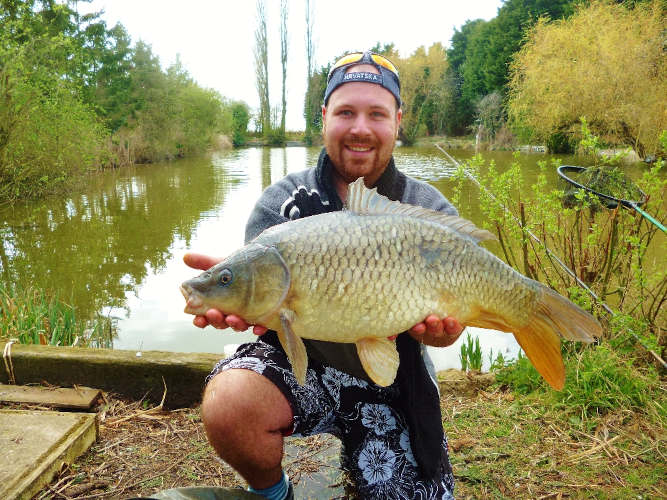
point(376, 269)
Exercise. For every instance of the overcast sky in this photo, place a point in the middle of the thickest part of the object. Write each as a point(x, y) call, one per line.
point(215, 39)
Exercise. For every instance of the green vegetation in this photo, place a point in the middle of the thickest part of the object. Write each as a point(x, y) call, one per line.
point(529, 74)
point(76, 97)
point(556, 76)
point(471, 354)
point(32, 317)
point(600, 437)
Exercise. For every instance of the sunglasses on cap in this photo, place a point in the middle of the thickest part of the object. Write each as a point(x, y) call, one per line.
point(363, 58)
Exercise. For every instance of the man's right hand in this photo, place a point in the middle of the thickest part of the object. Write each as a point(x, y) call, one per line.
point(215, 317)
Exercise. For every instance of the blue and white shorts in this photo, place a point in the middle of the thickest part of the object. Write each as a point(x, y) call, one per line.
point(376, 450)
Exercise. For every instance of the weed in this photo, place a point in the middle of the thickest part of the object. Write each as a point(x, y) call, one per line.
point(471, 354)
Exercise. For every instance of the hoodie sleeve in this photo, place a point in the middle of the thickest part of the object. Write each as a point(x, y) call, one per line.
point(267, 211)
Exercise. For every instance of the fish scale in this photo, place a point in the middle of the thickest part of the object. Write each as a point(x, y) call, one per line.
point(375, 270)
point(395, 280)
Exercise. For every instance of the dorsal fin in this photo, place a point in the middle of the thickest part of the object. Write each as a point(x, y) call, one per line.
point(364, 201)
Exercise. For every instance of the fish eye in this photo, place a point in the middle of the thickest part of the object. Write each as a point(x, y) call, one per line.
point(225, 277)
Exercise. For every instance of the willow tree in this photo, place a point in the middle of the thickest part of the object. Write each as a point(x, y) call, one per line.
point(262, 68)
point(424, 90)
point(606, 63)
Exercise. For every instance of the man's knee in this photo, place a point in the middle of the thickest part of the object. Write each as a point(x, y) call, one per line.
point(240, 401)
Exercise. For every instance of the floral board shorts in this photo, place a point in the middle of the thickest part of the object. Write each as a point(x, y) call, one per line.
point(376, 450)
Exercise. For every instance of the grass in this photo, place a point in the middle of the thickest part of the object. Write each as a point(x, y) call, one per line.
point(602, 436)
point(31, 316)
point(503, 446)
point(471, 354)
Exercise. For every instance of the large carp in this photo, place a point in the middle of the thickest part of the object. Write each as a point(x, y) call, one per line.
point(376, 269)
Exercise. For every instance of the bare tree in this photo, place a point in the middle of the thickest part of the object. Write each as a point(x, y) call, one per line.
point(283, 60)
point(262, 68)
point(310, 7)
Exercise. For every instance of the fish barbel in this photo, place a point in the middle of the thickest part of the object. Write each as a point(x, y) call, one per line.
point(375, 270)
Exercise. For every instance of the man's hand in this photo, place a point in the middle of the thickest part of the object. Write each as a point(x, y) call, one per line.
point(437, 332)
point(215, 317)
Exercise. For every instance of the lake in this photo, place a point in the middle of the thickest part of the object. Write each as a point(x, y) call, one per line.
point(115, 247)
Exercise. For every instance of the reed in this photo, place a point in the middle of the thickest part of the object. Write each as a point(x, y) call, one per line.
point(31, 316)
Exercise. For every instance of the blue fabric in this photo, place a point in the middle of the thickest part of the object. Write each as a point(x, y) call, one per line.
point(276, 492)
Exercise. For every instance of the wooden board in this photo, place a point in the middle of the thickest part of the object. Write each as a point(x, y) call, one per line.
point(80, 398)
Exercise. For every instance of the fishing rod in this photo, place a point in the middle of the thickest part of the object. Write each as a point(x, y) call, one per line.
point(548, 251)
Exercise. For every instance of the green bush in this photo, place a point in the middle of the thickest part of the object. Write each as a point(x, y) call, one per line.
point(48, 136)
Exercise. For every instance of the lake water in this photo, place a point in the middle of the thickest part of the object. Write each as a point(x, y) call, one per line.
point(116, 246)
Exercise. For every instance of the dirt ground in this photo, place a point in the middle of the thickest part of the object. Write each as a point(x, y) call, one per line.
point(499, 449)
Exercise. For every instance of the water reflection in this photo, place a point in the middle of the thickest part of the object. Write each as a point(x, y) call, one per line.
point(116, 247)
point(95, 247)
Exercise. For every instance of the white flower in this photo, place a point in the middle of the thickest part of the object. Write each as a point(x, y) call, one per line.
point(378, 418)
point(376, 462)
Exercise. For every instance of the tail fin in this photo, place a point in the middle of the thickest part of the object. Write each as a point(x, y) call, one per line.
point(554, 315)
point(568, 319)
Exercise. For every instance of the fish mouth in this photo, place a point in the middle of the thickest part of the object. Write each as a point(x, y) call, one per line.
point(193, 303)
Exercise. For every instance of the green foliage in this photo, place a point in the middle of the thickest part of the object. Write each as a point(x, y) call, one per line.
point(614, 252)
point(48, 136)
point(313, 102)
point(239, 125)
point(520, 375)
point(424, 91)
point(76, 97)
point(32, 317)
point(574, 66)
point(481, 51)
point(559, 143)
point(471, 354)
point(599, 380)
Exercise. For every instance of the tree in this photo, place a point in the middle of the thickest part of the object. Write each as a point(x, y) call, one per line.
point(606, 63)
point(240, 119)
point(317, 85)
point(283, 61)
point(423, 90)
point(488, 47)
point(461, 114)
point(491, 113)
point(262, 68)
point(308, 110)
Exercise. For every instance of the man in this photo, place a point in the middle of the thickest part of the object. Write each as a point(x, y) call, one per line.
point(393, 444)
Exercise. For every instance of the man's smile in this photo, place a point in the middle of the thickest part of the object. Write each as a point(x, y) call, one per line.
point(359, 149)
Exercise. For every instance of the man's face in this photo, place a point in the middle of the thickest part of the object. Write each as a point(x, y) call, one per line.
point(360, 128)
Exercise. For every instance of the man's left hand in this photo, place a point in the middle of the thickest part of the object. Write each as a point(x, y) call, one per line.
point(437, 332)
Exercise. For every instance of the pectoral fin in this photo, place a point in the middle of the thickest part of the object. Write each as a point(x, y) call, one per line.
point(293, 345)
point(379, 358)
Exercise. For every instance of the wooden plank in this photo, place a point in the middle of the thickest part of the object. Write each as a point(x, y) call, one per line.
point(80, 398)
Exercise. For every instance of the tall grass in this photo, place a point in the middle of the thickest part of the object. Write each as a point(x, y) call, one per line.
point(471, 354)
point(33, 317)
